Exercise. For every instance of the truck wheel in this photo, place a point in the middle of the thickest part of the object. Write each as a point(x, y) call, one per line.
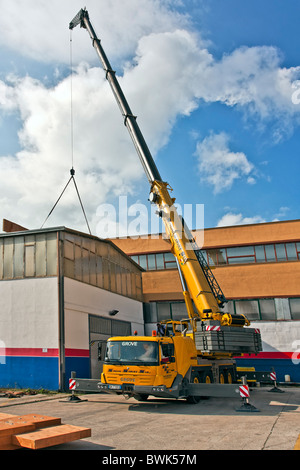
point(194, 399)
point(141, 396)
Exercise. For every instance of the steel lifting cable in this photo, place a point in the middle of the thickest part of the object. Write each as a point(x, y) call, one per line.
point(72, 171)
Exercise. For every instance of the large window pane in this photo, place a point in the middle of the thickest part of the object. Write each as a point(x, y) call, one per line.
point(240, 251)
point(160, 261)
point(249, 308)
point(178, 310)
point(163, 311)
point(280, 252)
point(291, 251)
point(295, 309)
point(260, 254)
point(221, 254)
point(270, 253)
point(267, 309)
point(143, 261)
point(151, 262)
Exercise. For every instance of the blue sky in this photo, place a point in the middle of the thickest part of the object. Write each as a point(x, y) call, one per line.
point(214, 85)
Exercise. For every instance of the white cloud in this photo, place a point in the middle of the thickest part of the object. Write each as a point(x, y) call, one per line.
point(41, 31)
point(230, 219)
point(220, 167)
point(171, 72)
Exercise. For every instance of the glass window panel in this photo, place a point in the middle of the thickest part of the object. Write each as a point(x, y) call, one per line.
point(212, 257)
point(260, 254)
point(8, 258)
point(280, 252)
point(291, 251)
point(40, 256)
point(151, 262)
point(295, 309)
point(240, 251)
point(143, 261)
point(135, 258)
point(19, 257)
point(170, 265)
point(160, 261)
point(169, 257)
point(241, 259)
point(249, 308)
point(163, 311)
point(270, 253)
point(51, 254)
point(221, 254)
point(178, 310)
point(267, 309)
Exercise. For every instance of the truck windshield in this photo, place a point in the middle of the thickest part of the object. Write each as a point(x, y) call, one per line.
point(132, 352)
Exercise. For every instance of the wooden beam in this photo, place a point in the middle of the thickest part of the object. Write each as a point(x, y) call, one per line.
point(50, 436)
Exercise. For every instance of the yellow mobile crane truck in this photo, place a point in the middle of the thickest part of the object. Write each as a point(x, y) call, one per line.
point(181, 359)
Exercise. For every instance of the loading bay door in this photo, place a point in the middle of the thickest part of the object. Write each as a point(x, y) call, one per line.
point(100, 329)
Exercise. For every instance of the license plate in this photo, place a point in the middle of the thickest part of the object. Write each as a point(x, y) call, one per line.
point(115, 387)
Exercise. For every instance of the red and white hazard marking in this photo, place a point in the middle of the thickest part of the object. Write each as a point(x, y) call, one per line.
point(244, 391)
point(213, 328)
point(72, 384)
point(256, 330)
point(273, 375)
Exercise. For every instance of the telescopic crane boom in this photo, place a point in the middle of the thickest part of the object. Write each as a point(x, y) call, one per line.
point(198, 282)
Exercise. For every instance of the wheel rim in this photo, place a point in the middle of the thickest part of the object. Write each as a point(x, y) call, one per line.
point(222, 378)
point(207, 379)
point(230, 378)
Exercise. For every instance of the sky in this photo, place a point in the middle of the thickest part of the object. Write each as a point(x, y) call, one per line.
point(215, 87)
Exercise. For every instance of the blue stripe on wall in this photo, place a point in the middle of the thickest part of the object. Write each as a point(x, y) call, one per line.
point(29, 372)
point(282, 367)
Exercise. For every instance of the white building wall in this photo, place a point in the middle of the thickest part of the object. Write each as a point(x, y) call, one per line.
point(29, 313)
point(82, 299)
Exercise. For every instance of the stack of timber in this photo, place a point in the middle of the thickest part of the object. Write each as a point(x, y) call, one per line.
point(35, 431)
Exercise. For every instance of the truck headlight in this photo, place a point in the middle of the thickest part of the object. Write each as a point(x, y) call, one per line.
point(160, 388)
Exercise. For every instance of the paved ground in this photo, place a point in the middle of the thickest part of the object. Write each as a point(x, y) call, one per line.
point(166, 425)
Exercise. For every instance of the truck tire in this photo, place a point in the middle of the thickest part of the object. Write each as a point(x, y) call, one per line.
point(195, 379)
point(141, 396)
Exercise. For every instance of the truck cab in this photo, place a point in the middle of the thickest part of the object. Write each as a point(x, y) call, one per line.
point(140, 366)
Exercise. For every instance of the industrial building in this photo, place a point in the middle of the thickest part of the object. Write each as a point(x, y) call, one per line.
point(258, 269)
point(62, 294)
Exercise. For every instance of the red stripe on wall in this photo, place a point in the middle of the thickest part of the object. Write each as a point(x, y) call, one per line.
point(42, 352)
point(269, 355)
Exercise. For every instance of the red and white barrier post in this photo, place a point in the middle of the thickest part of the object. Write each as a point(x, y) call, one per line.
point(245, 395)
point(274, 378)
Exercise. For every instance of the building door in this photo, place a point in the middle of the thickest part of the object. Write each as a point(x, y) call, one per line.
point(101, 329)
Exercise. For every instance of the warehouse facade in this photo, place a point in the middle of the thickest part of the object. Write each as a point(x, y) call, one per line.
point(62, 294)
point(258, 269)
